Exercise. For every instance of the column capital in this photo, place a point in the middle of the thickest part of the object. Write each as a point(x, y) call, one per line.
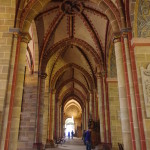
point(101, 74)
point(90, 91)
point(53, 91)
point(125, 31)
point(25, 37)
point(42, 75)
point(117, 39)
point(98, 75)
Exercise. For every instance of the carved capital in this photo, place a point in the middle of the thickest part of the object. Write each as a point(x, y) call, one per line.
point(42, 75)
point(98, 75)
point(125, 31)
point(25, 37)
point(101, 74)
point(117, 37)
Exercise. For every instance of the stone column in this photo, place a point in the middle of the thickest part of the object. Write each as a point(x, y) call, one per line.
point(57, 123)
point(131, 91)
point(90, 104)
point(60, 119)
point(39, 128)
point(12, 126)
point(84, 119)
point(104, 107)
point(126, 133)
point(87, 115)
point(100, 108)
point(95, 104)
point(45, 116)
point(107, 111)
point(62, 115)
point(50, 141)
point(53, 113)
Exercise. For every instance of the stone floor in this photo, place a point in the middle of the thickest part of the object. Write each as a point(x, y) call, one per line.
point(73, 144)
point(70, 144)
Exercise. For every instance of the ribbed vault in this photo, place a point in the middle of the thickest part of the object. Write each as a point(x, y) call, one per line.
point(72, 41)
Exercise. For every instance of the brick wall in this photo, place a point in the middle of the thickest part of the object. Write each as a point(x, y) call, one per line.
point(142, 56)
point(28, 114)
point(115, 121)
point(7, 17)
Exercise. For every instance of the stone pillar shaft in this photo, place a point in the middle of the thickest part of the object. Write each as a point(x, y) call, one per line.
point(52, 113)
point(84, 119)
point(45, 116)
point(57, 125)
point(50, 116)
point(104, 109)
point(16, 93)
point(107, 111)
point(131, 97)
point(87, 114)
point(60, 121)
point(90, 105)
point(126, 133)
point(100, 109)
point(137, 96)
point(40, 109)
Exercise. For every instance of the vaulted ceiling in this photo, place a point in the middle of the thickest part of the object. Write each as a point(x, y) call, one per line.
point(72, 37)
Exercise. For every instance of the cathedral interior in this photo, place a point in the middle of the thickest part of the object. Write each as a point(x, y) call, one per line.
point(74, 63)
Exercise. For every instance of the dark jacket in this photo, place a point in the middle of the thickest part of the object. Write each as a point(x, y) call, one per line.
point(88, 136)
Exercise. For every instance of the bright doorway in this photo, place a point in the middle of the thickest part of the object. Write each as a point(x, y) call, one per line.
point(69, 126)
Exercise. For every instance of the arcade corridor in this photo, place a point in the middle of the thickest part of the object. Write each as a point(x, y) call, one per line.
point(70, 65)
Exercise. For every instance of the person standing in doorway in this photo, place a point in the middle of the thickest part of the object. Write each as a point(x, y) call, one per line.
point(68, 135)
point(72, 134)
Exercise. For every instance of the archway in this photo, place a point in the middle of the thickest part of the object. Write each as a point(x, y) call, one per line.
point(73, 118)
point(69, 127)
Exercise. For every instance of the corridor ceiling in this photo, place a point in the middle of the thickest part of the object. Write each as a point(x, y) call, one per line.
point(72, 109)
point(73, 38)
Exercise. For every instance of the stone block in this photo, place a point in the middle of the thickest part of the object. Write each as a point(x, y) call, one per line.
point(4, 16)
point(1, 22)
point(10, 10)
point(2, 40)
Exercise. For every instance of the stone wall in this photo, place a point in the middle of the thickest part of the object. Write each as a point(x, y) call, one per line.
point(114, 107)
point(7, 18)
point(28, 113)
point(142, 57)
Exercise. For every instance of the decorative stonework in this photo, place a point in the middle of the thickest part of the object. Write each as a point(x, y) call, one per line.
point(71, 7)
point(145, 74)
point(143, 22)
point(111, 63)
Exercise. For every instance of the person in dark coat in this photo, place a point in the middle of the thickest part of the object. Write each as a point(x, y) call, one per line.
point(68, 135)
point(72, 134)
point(88, 139)
point(83, 137)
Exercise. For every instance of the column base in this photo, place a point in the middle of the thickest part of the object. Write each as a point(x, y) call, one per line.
point(50, 144)
point(38, 146)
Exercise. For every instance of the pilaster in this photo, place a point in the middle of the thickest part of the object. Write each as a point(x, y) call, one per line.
point(100, 104)
point(39, 123)
point(130, 91)
point(50, 141)
point(16, 92)
point(126, 131)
